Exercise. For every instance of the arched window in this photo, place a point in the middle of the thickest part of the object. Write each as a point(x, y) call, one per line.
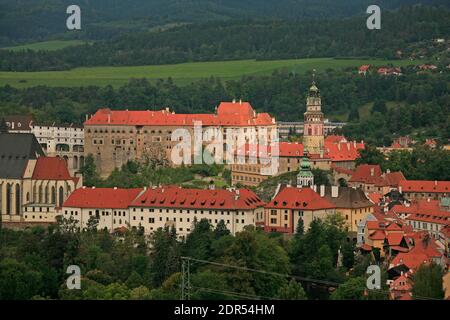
point(18, 204)
point(46, 194)
point(61, 197)
point(53, 195)
point(28, 197)
point(40, 194)
point(8, 198)
point(35, 196)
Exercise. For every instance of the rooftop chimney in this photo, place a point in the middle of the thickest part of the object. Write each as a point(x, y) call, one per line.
point(372, 172)
point(435, 182)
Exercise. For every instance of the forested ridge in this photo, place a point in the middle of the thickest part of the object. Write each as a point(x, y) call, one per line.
point(31, 20)
point(408, 32)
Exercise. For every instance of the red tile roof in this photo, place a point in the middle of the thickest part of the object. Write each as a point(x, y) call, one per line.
point(299, 198)
point(412, 261)
point(425, 211)
point(377, 235)
point(367, 173)
point(228, 114)
point(372, 174)
point(402, 283)
point(343, 151)
point(375, 197)
point(101, 198)
point(176, 197)
point(364, 67)
point(445, 230)
point(425, 244)
point(334, 139)
point(394, 239)
point(51, 168)
point(343, 170)
point(366, 247)
point(425, 186)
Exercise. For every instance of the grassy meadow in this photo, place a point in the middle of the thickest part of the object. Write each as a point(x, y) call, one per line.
point(182, 73)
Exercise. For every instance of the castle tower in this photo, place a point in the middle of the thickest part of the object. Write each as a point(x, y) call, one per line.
point(313, 137)
point(305, 177)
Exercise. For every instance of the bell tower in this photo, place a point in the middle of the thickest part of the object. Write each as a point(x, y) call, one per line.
point(313, 137)
point(305, 177)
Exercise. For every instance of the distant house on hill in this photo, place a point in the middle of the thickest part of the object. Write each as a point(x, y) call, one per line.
point(386, 71)
point(364, 69)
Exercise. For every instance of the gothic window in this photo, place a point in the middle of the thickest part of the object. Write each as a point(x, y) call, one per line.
point(53, 195)
point(17, 199)
point(8, 198)
point(61, 197)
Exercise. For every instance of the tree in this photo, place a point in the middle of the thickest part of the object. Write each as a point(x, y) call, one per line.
point(300, 229)
point(370, 155)
point(292, 291)
point(221, 229)
point(348, 253)
point(18, 281)
point(164, 256)
point(198, 242)
point(92, 224)
point(140, 293)
point(353, 116)
point(352, 289)
point(428, 282)
point(89, 172)
point(379, 106)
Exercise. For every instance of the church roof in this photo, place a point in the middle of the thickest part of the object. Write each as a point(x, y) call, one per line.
point(16, 149)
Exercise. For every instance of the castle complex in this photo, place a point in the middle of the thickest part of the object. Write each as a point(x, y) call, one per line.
point(115, 137)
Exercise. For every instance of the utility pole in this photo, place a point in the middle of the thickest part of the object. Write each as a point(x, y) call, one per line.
point(186, 278)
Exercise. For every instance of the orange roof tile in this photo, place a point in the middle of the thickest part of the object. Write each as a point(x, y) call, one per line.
point(425, 186)
point(102, 198)
point(176, 197)
point(228, 114)
point(299, 198)
point(51, 168)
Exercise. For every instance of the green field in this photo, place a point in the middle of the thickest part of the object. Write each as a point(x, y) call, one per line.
point(47, 45)
point(181, 73)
